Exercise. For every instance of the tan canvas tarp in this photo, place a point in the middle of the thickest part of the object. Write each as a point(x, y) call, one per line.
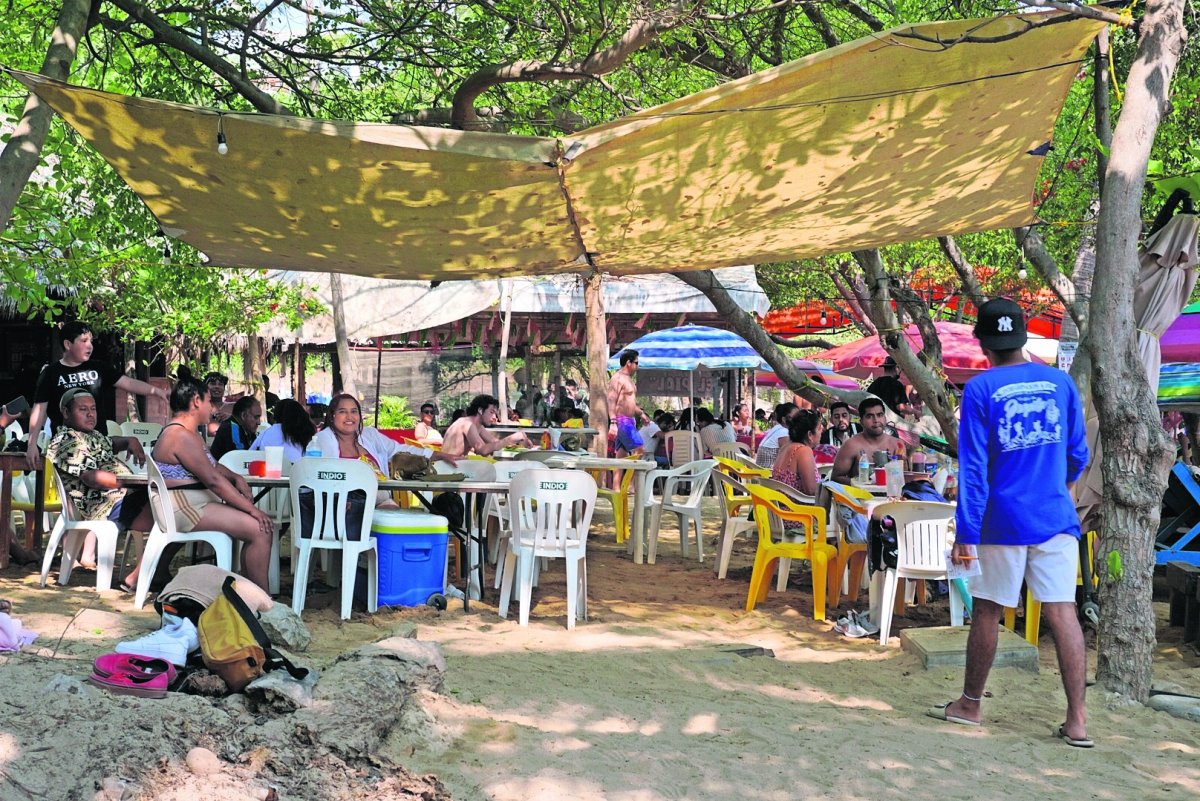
point(883, 140)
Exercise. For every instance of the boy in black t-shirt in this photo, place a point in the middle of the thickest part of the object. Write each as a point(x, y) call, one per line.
point(76, 369)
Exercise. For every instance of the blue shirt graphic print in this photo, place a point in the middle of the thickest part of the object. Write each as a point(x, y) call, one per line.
point(1031, 416)
point(1020, 442)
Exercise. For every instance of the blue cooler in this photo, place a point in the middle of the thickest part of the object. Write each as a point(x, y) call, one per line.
point(412, 555)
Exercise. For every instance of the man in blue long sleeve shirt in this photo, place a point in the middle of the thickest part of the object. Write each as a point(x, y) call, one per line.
point(1021, 446)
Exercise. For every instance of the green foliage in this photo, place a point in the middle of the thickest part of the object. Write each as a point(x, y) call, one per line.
point(394, 413)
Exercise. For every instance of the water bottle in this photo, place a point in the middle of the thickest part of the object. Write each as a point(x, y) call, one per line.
point(313, 451)
point(864, 467)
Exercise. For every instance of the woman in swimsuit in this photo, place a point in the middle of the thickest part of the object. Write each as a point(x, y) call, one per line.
point(205, 495)
point(795, 465)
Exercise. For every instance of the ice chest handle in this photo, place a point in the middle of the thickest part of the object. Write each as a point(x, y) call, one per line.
point(417, 554)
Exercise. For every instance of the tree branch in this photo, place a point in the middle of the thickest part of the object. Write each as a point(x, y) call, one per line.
point(1090, 12)
point(854, 291)
point(186, 45)
point(807, 342)
point(929, 385)
point(817, 18)
point(760, 340)
point(866, 17)
point(966, 274)
point(1031, 244)
point(643, 31)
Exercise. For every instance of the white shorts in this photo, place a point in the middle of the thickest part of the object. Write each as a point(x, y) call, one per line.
point(1050, 570)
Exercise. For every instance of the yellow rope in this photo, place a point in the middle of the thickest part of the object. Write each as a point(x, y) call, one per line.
point(1125, 19)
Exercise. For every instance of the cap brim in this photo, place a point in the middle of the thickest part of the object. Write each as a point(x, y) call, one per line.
point(1016, 339)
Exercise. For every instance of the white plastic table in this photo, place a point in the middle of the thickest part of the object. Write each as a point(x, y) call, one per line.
point(641, 469)
point(555, 433)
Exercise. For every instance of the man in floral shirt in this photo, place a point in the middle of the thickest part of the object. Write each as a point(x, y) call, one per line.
point(88, 466)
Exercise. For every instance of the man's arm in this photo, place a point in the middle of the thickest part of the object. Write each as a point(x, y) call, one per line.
point(37, 419)
point(133, 445)
point(845, 464)
point(1077, 448)
point(973, 488)
point(141, 388)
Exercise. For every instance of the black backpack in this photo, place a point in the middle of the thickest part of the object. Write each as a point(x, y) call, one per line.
point(881, 534)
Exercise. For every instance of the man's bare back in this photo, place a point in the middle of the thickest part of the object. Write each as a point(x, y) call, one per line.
point(457, 436)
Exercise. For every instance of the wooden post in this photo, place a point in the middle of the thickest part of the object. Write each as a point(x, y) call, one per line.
point(251, 371)
point(503, 394)
point(301, 366)
point(344, 361)
point(297, 373)
point(378, 374)
point(597, 356)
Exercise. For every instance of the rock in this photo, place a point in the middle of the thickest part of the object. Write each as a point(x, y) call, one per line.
point(285, 628)
point(1176, 706)
point(278, 691)
point(69, 685)
point(203, 762)
point(112, 789)
point(1118, 701)
point(406, 629)
point(421, 657)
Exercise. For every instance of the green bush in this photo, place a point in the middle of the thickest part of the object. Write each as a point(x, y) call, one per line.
point(394, 413)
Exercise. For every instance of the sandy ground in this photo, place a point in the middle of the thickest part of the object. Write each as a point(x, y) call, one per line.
point(644, 701)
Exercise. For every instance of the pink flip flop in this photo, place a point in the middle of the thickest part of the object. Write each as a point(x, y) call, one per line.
point(112, 664)
point(132, 684)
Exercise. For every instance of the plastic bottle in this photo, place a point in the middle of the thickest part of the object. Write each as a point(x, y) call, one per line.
point(931, 462)
point(313, 451)
point(918, 461)
point(864, 467)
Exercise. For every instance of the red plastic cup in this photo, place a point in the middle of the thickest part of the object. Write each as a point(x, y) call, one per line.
point(880, 476)
point(258, 468)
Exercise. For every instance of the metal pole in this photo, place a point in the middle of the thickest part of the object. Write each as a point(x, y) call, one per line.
point(378, 375)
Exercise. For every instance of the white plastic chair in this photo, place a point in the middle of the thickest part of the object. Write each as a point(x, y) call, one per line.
point(164, 533)
point(730, 450)
point(497, 507)
point(731, 527)
point(146, 433)
point(688, 511)
point(678, 452)
point(331, 481)
point(922, 538)
point(13, 431)
point(275, 503)
point(74, 530)
point(551, 512)
point(113, 428)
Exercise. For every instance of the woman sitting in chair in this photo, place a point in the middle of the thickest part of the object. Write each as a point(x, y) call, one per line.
point(795, 465)
point(205, 495)
point(713, 430)
point(345, 437)
point(293, 430)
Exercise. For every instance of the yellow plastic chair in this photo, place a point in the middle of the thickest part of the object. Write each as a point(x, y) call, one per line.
point(735, 500)
point(619, 498)
point(51, 503)
point(823, 556)
point(852, 555)
point(1033, 609)
point(740, 470)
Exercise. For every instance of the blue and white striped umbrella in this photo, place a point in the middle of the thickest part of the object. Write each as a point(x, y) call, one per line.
point(689, 347)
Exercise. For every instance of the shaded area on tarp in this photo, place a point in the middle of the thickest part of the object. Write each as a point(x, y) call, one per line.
point(882, 140)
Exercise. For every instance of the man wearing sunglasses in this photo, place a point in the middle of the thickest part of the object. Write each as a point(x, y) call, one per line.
point(622, 405)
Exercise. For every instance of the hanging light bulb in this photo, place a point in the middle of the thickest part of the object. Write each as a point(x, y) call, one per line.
point(1022, 273)
point(222, 148)
point(824, 319)
point(166, 257)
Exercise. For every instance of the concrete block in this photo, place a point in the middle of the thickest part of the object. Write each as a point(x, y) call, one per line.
point(946, 646)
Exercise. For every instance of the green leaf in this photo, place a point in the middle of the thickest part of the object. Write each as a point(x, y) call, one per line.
point(1114, 566)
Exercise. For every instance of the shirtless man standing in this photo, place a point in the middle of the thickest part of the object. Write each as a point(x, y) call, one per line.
point(468, 434)
point(873, 438)
point(622, 405)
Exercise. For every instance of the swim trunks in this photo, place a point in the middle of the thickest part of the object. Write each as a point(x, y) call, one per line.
point(628, 438)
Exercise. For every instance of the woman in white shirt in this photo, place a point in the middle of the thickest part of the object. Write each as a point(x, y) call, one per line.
point(293, 430)
point(776, 437)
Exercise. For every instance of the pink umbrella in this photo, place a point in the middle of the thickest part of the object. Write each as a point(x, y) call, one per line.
point(961, 357)
point(1181, 342)
point(766, 376)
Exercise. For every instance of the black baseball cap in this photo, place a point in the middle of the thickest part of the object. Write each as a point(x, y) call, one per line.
point(1001, 325)
point(889, 363)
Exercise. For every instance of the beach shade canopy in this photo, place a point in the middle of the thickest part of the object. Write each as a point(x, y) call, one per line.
point(1179, 386)
point(895, 137)
point(962, 358)
point(766, 376)
point(689, 347)
point(1181, 342)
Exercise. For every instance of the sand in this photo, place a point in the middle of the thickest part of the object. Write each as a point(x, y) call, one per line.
point(641, 702)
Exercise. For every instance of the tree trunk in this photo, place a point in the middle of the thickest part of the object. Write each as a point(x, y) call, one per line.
point(1137, 453)
point(760, 340)
point(19, 158)
point(506, 332)
point(345, 363)
point(929, 385)
point(251, 373)
point(597, 359)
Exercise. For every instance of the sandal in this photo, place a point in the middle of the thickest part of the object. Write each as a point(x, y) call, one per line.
point(141, 685)
point(1083, 742)
point(938, 712)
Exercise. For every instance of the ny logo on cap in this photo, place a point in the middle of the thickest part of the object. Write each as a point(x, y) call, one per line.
point(1004, 324)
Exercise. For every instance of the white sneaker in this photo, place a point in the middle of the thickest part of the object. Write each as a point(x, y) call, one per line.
point(173, 642)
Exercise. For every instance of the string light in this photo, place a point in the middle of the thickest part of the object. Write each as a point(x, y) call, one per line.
point(166, 257)
point(824, 319)
point(222, 148)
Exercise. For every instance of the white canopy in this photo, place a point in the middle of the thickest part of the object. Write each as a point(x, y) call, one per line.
point(379, 307)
